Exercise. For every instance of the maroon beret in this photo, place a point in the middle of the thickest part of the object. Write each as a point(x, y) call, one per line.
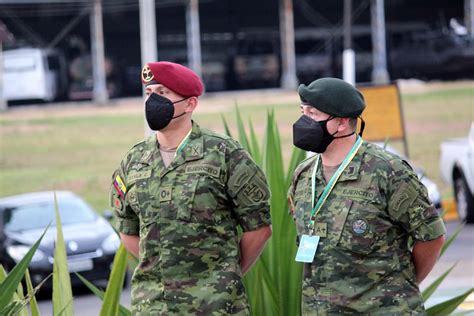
point(175, 77)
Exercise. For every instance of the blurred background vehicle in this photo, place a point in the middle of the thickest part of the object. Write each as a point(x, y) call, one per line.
point(256, 63)
point(34, 74)
point(457, 169)
point(433, 190)
point(90, 240)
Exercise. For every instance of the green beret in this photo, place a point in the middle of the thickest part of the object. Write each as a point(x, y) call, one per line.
point(333, 96)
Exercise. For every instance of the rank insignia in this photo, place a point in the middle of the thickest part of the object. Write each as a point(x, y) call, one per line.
point(119, 186)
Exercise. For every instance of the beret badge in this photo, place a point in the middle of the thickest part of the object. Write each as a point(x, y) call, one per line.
point(147, 75)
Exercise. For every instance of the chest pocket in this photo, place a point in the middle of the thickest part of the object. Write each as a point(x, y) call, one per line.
point(189, 197)
point(358, 232)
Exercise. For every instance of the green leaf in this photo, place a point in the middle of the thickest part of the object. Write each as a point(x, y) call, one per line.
point(62, 292)
point(241, 129)
point(123, 311)
point(226, 127)
point(21, 297)
point(254, 144)
point(3, 274)
point(451, 238)
point(114, 286)
point(274, 283)
point(12, 309)
point(297, 156)
point(433, 286)
point(10, 283)
point(468, 312)
point(65, 308)
point(449, 306)
point(31, 293)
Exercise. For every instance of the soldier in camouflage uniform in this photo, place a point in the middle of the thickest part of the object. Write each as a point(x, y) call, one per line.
point(179, 197)
point(377, 209)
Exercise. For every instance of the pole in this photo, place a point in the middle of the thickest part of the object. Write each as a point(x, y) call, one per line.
point(469, 16)
point(148, 43)
point(193, 36)
point(379, 54)
point(348, 55)
point(3, 101)
point(287, 42)
point(100, 94)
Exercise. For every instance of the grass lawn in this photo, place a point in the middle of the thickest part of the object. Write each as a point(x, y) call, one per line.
point(77, 146)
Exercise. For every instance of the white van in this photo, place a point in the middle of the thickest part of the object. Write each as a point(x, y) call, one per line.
point(33, 73)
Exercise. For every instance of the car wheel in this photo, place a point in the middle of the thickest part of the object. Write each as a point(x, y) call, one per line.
point(464, 199)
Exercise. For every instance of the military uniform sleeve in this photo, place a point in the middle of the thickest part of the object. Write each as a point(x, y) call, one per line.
point(127, 221)
point(291, 197)
point(410, 206)
point(247, 187)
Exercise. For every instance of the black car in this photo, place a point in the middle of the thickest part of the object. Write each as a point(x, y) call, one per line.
point(90, 241)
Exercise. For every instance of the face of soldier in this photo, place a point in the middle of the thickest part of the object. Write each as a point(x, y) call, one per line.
point(161, 105)
point(315, 130)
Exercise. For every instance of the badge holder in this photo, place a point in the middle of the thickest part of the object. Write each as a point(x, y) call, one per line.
point(307, 248)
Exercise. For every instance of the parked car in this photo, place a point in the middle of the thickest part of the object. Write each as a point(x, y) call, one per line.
point(457, 169)
point(433, 190)
point(90, 240)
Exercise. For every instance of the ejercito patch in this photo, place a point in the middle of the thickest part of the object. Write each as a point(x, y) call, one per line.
point(208, 169)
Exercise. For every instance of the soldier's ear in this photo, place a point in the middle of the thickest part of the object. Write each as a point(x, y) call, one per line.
point(192, 104)
point(344, 124)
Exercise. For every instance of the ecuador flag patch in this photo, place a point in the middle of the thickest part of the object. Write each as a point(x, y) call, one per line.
point(119, 186)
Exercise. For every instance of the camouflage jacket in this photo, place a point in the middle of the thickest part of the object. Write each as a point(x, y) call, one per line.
point(187, 217)
point(363, 263)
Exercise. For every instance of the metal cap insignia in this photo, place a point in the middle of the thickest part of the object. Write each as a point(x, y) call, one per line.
point(147, 75)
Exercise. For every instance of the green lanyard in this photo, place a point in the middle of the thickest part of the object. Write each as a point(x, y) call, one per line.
point(331, 183)
point(183, 143)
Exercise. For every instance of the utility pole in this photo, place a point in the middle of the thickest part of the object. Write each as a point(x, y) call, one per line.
point(3, 101)
point(469, 16)
point(5, 37)
point(379, 50)
point(193, 36)
point(148, 43)
point(100, 94)
point(348, 55)
point(287, 40)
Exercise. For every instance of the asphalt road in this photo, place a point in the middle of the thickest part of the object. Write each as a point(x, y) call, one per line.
point(460, 279)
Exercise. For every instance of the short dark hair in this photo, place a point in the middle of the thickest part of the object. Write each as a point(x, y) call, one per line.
point(353, 123)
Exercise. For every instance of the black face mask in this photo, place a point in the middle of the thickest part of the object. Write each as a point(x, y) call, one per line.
point(159, 111)
point(311, 135)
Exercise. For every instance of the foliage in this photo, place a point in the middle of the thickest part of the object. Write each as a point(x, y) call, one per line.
point(274, 284)
point(62, 291)
point(11, 282)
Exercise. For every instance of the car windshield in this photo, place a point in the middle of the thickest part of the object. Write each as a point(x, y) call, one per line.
point(39, 215)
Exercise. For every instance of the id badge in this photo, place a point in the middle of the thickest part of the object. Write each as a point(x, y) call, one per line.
point(307, 248)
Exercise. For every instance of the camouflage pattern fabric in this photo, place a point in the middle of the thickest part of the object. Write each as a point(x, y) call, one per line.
point(187, 217)
point(363, 264)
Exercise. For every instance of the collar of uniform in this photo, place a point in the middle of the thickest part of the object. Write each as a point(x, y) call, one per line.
point(194, 149)
point(352, 170)
point(151, 144)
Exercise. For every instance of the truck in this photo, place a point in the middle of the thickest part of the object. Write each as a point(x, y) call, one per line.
point(457, 169)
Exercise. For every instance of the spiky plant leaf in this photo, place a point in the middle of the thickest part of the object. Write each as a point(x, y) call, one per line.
point(62, 291)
